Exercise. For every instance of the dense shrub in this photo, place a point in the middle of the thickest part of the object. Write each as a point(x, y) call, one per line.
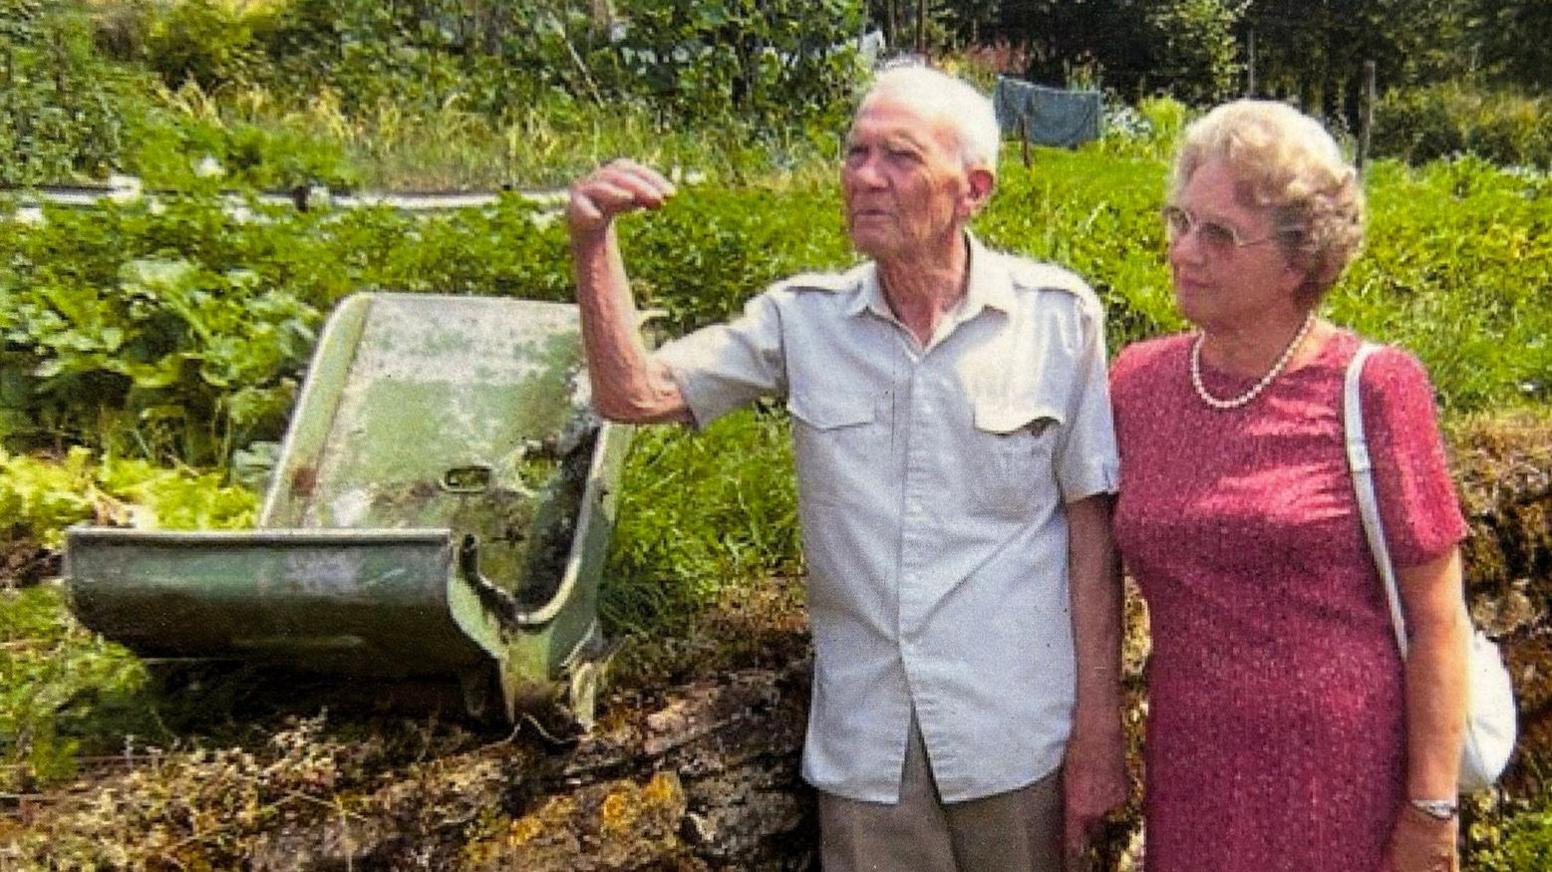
point(60, 110)
point(185, 137)
point(1521, 842)
point(1423, 124)
point(181, 328)
point(204, 41)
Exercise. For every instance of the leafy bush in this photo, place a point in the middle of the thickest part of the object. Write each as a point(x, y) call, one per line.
point(184, 137)
point(61, 683)
point(64, 686)
point(80, 98)
point(189, 356)
point(207, 42)
point(773, 61)
point(1522, 841)
point(60, 111)
point(180, 330)
point(1438, 121)
point(1455, 270)
point(39, 498)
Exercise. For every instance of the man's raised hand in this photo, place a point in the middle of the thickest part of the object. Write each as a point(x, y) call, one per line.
point(614, 188)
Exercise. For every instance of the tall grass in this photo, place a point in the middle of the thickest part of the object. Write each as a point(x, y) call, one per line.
point(700, 513)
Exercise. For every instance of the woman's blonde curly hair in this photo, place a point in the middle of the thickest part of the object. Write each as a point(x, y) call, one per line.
point(1285, 162)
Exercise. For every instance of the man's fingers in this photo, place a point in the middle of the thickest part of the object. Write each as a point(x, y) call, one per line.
point(627, 184)
point(610, 197)
point(582, 206)
point(618, 187)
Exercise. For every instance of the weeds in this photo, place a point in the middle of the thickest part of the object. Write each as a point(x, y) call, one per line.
point(700, 514)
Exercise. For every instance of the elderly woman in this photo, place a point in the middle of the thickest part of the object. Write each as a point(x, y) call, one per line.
point(1284, 729)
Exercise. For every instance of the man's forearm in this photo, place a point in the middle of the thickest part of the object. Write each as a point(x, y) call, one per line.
point(1095, 582)
point(628, 385)
point(1094, 766)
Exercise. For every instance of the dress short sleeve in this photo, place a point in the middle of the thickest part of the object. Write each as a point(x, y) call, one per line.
point(1418, 503)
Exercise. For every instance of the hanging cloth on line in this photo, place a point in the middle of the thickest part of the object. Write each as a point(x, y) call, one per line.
point(1052, 116)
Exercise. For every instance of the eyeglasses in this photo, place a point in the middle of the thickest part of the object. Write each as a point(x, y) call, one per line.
point(1217, 237)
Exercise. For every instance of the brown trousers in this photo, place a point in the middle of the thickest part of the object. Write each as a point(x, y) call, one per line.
point(1016, 831)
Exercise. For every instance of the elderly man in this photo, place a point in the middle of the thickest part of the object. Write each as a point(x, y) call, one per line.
point(955, 459)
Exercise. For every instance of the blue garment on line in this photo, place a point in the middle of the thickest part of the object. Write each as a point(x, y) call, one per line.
point(1052, 116)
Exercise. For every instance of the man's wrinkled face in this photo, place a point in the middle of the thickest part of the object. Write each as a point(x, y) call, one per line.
point(906, 188)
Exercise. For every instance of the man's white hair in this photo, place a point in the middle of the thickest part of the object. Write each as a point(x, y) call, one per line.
point(968, 113)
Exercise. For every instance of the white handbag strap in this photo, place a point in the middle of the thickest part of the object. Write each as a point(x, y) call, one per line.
point(1363, 484)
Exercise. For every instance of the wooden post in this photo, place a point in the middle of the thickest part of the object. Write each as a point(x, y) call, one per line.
point(1250, 66)
point(1366, 127)
point(1024, 139)
point(61, 89)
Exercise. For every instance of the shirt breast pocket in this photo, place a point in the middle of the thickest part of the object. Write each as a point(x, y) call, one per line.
point(835, 437)
point(1014, 448)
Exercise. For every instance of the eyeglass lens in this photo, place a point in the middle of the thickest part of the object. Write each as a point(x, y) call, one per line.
point(1219, 237)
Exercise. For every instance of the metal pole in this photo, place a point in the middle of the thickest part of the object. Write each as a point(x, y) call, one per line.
point(1369, 97)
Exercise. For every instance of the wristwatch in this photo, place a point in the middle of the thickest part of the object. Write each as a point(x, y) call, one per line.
point(1438, 809)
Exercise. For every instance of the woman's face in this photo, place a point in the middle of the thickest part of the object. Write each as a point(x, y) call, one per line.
point(1228, 269)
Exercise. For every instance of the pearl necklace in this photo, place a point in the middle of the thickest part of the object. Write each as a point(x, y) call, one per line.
point(1258, 387)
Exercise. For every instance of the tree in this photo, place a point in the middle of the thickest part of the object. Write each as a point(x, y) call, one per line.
point(1314, 50)
point(1186, 47)
point(1195, 42)
point(1509, 37)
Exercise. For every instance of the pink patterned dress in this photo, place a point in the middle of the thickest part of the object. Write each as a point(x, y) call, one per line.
point(1275, 735)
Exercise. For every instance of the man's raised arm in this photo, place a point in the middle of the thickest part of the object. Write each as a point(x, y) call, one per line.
point(628, 383)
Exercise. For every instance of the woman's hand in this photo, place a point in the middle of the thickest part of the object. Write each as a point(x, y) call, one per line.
point(1420, 842)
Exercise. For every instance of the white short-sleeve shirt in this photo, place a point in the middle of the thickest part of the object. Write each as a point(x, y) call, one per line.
point(931, 482)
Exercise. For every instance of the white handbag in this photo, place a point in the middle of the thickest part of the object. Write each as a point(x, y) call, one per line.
point(1490, 711)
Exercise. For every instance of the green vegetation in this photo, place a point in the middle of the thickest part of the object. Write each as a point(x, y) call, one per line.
point(62, 685)
point(180, 332)
point(427, 94)
point(1503, 127)
point(698, 518)
point(59, 100)
point(40, 497)
point(1523, 843)
point(66, 691)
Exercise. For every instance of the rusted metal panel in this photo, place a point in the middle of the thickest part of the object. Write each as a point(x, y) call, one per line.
point(442, 504)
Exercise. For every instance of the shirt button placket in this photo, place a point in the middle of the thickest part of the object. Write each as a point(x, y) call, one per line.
point(914, 540)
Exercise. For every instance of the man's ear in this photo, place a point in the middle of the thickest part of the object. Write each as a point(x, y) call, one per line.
point(982, 181)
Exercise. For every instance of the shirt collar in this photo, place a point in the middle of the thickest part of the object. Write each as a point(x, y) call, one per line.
point(988, 287)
